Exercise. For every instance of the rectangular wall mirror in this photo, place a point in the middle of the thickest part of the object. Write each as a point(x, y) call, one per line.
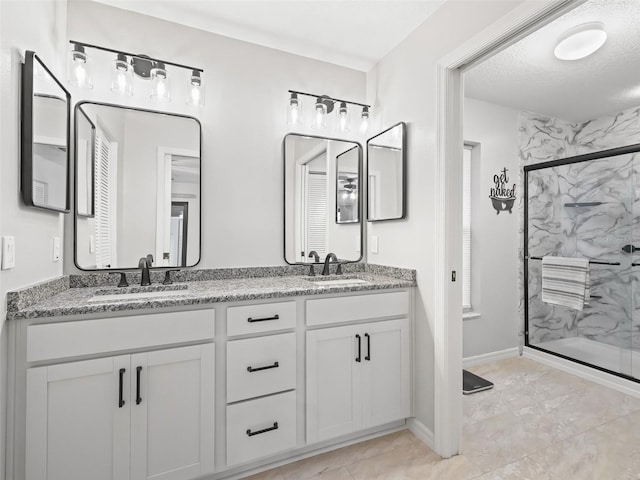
point(138, 187)
point(386, 174)
point(317, 215)
point(45, 138)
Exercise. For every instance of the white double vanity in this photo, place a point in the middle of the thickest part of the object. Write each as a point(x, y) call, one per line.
point(223, 379)
point(225, 372)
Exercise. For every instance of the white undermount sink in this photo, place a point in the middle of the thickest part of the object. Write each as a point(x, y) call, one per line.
point(137, 295)
point(336, 283)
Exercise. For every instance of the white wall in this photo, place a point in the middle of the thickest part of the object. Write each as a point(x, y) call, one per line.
point(243, 122)
point(494, 245)
point(41, 27)
point(402, 87)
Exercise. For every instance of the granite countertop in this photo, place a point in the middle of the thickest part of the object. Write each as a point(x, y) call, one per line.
point(87, 300)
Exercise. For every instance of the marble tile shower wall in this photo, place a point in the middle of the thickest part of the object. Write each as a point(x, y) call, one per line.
point(596, 232)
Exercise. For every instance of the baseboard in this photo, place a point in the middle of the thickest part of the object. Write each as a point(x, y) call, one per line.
point(490, 357)
point(421, 431)
point(594, 375)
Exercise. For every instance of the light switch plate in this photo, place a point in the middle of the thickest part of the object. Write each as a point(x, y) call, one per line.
point(8, 252)
point(55, 254)
point(374, 244)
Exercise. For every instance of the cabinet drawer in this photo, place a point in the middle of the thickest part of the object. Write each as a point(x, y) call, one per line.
point(266, 317)
point(323, 311)
point(261, 427)
point(85, 337)
point(252, 370)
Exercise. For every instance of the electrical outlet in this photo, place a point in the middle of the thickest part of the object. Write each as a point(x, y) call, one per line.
point(374, 244)
point(8, 252)
point(55, 254)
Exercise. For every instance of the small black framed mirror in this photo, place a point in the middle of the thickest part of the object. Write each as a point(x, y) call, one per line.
point(386, 175)
point(45, 138)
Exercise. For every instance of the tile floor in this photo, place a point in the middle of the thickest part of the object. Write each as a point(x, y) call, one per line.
point(536, 423)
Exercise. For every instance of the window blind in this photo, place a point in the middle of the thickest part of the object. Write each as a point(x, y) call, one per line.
point(466, 229)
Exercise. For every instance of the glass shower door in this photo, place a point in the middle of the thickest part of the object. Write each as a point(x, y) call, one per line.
point(583, 207)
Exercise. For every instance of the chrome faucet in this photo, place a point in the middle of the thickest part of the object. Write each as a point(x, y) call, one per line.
point(327, 262)
point(145, 263)
point(316, 259)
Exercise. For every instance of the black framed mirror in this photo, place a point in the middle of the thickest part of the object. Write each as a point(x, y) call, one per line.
point(348, 186)
point(311, 195)
point(145, 184)
point(386, 175)
point(45, 138)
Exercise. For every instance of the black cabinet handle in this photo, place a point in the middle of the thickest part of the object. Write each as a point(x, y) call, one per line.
point(368, 337)
point(359, 357)
point(138, 396)
point(257, 369)
point(121, 385)
point(266, 319)
point(264, 430)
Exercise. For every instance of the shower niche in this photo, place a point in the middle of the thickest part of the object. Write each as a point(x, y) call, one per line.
point(586, 206)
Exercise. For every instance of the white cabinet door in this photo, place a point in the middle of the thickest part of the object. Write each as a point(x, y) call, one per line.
point(386, 384)
point(77, 426)
point(172, 408)
point(358, 377)
point(333, 391)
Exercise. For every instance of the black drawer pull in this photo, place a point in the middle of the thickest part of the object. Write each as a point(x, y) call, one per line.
point(121, 386)
point(359, 357)
point(368, 337)
point(138, 396)
point(264, 430)
point(257, 369)
point(265, 319)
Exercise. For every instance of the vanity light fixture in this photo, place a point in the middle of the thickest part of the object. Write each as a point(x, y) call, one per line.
point(364, 120)
point(126, 66)
point(343, 118)
point(122, 76)
point(580, 41)
point(323, 106)
point(78, 68)
point(319, 115)
point(160, 89)
point(294, 112)
point(196, 91)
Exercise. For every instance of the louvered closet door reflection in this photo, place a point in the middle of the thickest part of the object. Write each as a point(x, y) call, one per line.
point(316, 233)
point(105, 169)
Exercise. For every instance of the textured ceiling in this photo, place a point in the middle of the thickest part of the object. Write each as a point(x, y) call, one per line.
point(351, 33)
point(528, 76)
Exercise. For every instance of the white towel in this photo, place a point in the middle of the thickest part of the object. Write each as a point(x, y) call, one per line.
point(565, 281)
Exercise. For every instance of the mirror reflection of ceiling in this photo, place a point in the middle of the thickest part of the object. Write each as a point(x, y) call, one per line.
point(337, 32)
point(527, 76)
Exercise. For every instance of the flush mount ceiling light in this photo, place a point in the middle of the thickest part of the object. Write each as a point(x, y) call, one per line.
point(323, 105)
point(144, 67)
point(580, 41)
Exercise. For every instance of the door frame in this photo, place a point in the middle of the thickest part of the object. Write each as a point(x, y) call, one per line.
point(163, 195)
point(185, 228)
point(447, 334)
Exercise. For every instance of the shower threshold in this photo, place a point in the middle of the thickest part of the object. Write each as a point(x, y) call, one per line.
point(621, 361)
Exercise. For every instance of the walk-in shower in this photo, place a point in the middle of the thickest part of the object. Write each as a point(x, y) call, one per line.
point(586, 206)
